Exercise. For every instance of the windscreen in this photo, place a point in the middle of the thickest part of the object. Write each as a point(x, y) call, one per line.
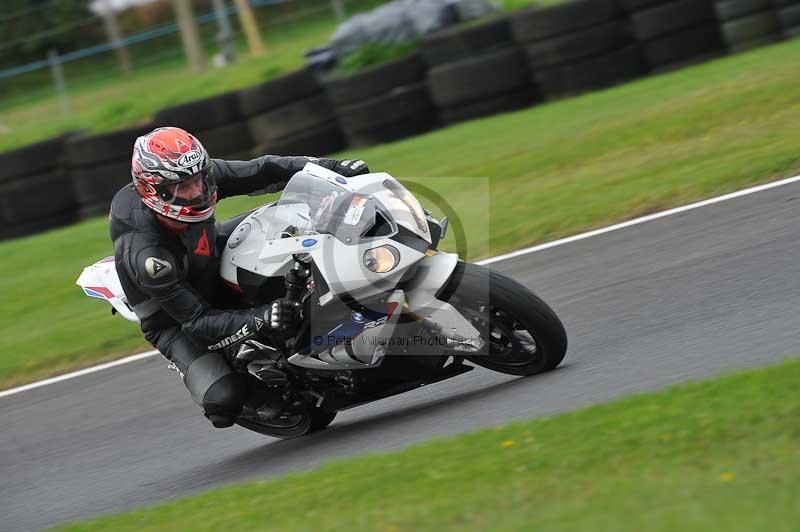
point(313, 205)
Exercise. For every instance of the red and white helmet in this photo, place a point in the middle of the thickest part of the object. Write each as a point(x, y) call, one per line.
point(172, 173)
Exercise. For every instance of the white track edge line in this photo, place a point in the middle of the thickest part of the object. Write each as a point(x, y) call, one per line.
point(641, 220)
point(491, 260)
point(86, 371)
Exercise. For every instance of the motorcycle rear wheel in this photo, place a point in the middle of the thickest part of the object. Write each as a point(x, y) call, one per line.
point(521, 333)
point(294, 426)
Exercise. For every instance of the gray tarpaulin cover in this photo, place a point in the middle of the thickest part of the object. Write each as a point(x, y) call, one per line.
point(404, 20)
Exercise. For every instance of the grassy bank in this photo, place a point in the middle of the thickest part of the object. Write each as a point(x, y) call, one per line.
point(99, 105)
point(716, 455)
point(534, 175)
point(107, 102)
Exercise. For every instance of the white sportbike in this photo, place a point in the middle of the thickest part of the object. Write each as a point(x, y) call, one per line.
point(383, 311)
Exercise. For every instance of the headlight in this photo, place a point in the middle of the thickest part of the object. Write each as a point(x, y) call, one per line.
point(381, 259)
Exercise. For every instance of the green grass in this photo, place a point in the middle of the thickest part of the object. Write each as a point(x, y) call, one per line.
point(723, 454)
point(108, 103)
point(371, 55)
point(511, 5)
point(102, 99)
point(513, 180)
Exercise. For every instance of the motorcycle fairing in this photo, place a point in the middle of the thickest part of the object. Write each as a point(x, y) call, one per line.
point(100, 280)
point(432, 273)
point(366, 349)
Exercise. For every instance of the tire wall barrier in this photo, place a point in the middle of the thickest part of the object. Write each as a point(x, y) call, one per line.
point(577, 47)
point(673, 33)
point(35, 192)
point(291, 115)
point(748, 23)
point(216, 121)
point(477, 82)
point(99, 165)
point(383, 103)
point(460, 73)
point(788, 14)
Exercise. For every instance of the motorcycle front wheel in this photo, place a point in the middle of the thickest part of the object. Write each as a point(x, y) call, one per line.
point(521, 334)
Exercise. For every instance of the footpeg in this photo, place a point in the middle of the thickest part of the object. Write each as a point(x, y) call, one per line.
point(252, 351)
point(268, 373)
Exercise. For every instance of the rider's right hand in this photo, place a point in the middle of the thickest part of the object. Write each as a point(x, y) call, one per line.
point(282, 314)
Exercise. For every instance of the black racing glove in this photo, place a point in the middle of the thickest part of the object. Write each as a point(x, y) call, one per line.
point(282, 314)
point(348, 167)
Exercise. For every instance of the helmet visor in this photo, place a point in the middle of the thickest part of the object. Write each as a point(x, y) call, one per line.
point(192, 191)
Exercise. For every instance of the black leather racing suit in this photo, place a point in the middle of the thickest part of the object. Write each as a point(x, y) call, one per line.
point(172, 283)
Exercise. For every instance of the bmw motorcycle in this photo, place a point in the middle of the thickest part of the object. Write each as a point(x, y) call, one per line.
point(383, 310)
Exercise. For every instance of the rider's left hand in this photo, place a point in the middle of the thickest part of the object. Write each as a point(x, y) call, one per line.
point(350, 168)
point(282, 314)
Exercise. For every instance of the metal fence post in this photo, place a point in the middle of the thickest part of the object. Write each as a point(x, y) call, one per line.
point(338, 9)
point(250, 27)
point(189, 35)
point(225, 34)
point(58, 80)
point(115, 37)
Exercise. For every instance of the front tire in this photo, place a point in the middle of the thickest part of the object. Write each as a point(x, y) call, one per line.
point(521, 333)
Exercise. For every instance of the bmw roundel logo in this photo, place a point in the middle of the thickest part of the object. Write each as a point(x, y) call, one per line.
point(358, 317)
point(308, 242)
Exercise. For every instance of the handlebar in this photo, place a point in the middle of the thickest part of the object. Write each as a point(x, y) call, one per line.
point(296, 280)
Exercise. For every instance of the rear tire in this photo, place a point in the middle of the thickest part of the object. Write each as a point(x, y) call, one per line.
point(511, 310)
point(312, 420)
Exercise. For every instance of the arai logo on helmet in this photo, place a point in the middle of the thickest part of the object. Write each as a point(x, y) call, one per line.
point(190, 158)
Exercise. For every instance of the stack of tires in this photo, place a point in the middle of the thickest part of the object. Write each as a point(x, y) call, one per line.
point(383, 103)
point(35, 194)
point(461, 42)
point(789, 16)
point(477, 71)
point(747, 23)
point(672, 33)
point(99, 165)
point(578, 46)
point(216, 121)
point(291, 115)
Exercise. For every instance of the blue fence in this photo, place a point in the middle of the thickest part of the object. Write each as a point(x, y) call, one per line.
point(154, 33)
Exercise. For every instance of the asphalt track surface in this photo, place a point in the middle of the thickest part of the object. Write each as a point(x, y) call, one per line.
point(675, 299)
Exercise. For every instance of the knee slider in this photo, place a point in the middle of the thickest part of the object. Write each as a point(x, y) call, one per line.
point(221, 421)
point(216, 388)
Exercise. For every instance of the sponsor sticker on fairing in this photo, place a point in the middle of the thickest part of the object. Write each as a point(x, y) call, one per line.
point(355, 211)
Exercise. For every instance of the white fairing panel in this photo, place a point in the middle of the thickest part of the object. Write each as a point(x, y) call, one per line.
point(331, 219)
point(341, 264)
point(343, 268)
point(100, 281)
point(431, 275)
point(250, 248)
point(264, 245)
point(366, 349)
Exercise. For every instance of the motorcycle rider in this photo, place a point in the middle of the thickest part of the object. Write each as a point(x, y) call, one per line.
point(167, 249)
